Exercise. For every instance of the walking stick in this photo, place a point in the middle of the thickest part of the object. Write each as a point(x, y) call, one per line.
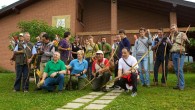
point(97, 72)
point(130, 68)
point(179, 60)
point(164, 64)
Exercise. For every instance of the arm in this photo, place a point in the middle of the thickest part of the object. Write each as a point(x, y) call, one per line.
point(50, 53)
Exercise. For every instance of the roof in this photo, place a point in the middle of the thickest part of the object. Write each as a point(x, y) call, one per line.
point(16, 7)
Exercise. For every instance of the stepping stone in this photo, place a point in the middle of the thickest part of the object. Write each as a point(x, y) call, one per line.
point(79, 100)
point(113, 94)
point(94, 107)
point(73, 105)
point(118, 91)
point(96, 93)
point(63, 109)
point(108, 97)
point(102, 101)
point(89, 97)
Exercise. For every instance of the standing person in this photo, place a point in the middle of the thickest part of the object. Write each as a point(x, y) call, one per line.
point(178, 54)
point(91, 48)
point(53, 74)
point(65, 48)
point(140, 48)
point(105, 47)
point(56, 41)
point(160, 45)
point(127, 76)
point(24, 51)
point(78, 69)
point(116, 58)
point(46, 52)
point(124, 42)
point(100, 70)
point(76, 46)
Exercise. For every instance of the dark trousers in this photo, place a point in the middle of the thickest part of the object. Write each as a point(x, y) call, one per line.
point(123, 81)
point(115, 67)
point(21, 75)
point(100, 81)
point(158, 62)
point(89, 70)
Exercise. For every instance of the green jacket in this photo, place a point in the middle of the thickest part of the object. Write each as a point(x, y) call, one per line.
point(106, 48)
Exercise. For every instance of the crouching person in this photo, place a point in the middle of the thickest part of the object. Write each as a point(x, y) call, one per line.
point(78, 69)
point(100, 71)
point(127, 76)
point(53, 74)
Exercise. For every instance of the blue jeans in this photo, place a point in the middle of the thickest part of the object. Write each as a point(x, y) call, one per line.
point(144, 64)
point(21, 75)
point(178, 63)
point(50, 83)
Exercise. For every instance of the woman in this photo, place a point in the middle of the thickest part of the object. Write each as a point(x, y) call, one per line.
point(78, 69)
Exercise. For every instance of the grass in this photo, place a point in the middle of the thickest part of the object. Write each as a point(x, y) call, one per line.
point(153, 98)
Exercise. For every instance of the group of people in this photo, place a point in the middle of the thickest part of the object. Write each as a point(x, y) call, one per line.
point(88, 62)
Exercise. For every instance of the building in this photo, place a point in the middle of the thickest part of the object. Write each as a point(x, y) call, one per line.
point(96, 17)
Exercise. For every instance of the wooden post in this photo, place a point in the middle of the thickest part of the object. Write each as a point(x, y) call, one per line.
point(113, 19)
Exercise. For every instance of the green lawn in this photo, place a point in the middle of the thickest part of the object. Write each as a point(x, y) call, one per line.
point(158, 98)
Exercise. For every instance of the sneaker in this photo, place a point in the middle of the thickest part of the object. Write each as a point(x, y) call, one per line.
point(15, 90)
point(104, 89)
point(133, 94)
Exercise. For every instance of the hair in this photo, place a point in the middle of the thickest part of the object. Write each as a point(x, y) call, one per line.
point(57, 54)
point(46, 36)
point(121, 31)
point(173, 25)
point(90, 37)
point(125, 48)
point(102, 37)
point(25, 33)
point(142, 29)
point(66, 34)
point(81, 52)
point(41, 34)
point(160, 29)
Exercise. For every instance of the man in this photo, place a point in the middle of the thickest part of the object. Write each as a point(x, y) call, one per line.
point(116, 58)
point(100, 70)
point(24, 52)
point(65, 48)
point(161, 45)
point(127, 76)
point(47, 50)
point(53, 74)
point(91, 48)
point(124, 42)
point(140, 48)
point(178, 54)
point(105, 47)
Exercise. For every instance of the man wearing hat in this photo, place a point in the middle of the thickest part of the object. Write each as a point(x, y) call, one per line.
point(100, 71)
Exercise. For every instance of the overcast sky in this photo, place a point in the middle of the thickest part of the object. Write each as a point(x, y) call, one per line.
point(8, 2)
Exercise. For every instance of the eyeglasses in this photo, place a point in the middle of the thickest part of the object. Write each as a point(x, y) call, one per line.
point(98, 53)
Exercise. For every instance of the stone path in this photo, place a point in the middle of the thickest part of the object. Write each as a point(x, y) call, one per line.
point(92, 101)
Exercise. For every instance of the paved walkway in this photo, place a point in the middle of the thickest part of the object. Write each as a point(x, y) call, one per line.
point(93, 100)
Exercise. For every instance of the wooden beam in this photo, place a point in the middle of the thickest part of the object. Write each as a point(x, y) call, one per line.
point(94, 33)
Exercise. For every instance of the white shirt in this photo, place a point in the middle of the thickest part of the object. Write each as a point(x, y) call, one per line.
point(130, 60)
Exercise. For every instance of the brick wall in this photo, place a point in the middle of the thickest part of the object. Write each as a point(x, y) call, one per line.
point(43, 10)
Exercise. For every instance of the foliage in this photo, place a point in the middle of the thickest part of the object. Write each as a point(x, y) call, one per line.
point(35, 27)
point(192, 42)
point(2, 70)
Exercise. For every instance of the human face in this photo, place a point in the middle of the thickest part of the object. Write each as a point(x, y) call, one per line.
point(90, 40)
point(56, 56)
point(79, 55)
point(27, 37)
point(125, 53)
point(104, 40)
point(76, 39)
point(99, 56)
point(21, 38)
point(118, 38)
point(87, 42)
point(142, 33)
point(174, 29)
point(160, 33)
point(122, 35)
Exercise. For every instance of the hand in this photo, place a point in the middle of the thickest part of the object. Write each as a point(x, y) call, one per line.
point(168, 40)
point(53, 74)
point(184, 37)
point(133, 70)
point(40, 83)
point(68, 49)
point(116, 62)
point(77, 75)
point(100, 71)
point(29, 60)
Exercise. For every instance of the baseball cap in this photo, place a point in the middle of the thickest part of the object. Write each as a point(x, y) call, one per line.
point(99, 51)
